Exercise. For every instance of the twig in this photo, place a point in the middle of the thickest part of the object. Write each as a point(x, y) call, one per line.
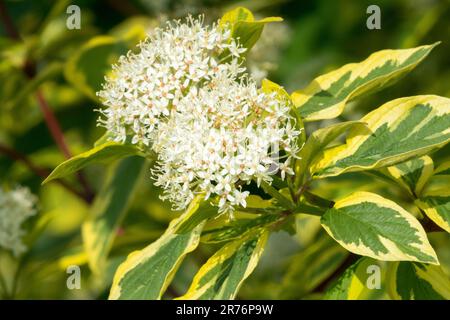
point(58, 137)
point(3, 285)
point(41, 172)
point(11, 31)
point(52, 123)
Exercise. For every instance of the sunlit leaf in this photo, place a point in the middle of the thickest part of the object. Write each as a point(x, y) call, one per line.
point(312, 266)
point(109, 209)
point(236, 229)
point(87, 68)
point(436, 205)
point(418, 281)
point(146, 273)
point(396, 131)
point(412, 175)
point(222, 275)
point(103, 153)
point(327, 95)
point(244, 26)
point(359, 281)
point(370, 225)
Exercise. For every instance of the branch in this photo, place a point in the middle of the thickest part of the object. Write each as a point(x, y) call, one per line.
point(52, 123)
point(58, 137)
point(11, 31)
point(41, 172)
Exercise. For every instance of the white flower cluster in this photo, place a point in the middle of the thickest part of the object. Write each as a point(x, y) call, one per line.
point(15, 207)
point(186, 97)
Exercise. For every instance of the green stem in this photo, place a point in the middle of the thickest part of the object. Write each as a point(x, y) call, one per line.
point(291, 187)
point(318, 200)
point(307, 209)
point(282, 200)
point(16, 277)
point(255, 210)
point(3, 285)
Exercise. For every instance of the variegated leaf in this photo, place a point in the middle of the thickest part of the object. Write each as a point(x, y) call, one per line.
point(327, 95)
point(412, 175)
point(87, 67)
point(396, 131)
point(311, 266)
point(370, 225)
point(244, 27)
point(417, 281)
point(436, 205)
point(146, 273)
point(103, 153)
point(359, 282)
point(443, 168)
point(237, 228)
point(222, 275)
point(321, 138)
point(109, 209)
point(307, 227)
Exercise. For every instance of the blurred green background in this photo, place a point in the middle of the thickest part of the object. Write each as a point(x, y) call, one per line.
point(41, 58)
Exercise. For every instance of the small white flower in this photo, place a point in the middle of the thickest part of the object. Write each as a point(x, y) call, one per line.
point(16, 206)
point(285, 168)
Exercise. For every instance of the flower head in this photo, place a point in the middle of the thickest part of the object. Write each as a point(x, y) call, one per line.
point(146, 87)
point(15, 207)
point(186, 97)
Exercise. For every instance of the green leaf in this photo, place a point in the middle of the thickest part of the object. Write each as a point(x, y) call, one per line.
point(443, 168)
point(51, 71)
point(412, 175)
point(370, 225)
point(146, 273)
point(222, 275)
point(312, 266)
point(326, 96)
point(134, 29)
point(353, 283)
point(321, 138)
point(87, 67)
point(237, 228)
point(103, 153)
point(109, 209)
point(307, 227)
point(417, 281)
point(436, 205)
point(396, 131)
point(244, 26)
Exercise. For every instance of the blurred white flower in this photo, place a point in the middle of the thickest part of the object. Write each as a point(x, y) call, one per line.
point(186, 97)
point(265, 55)
point(16, 206)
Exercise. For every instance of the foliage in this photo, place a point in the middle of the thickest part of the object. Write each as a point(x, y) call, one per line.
point(382, 193)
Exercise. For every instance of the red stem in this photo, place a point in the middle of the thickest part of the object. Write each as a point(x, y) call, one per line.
point(41, 172)
point(52, 123)
point(58, 137)
point(11, 31)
